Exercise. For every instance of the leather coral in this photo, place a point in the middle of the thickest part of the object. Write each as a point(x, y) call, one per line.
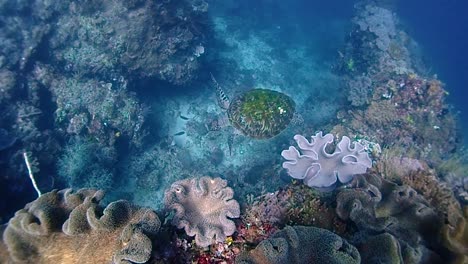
point(203, 208)
point(302, 244)
point(314, 164)
point(71, 227)
point(376, 205)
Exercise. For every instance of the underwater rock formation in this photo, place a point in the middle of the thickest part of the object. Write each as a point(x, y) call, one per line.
point(142, 38)
point(71, 227)
point(103, 110)
point(301, 244)
point(203, 208)
point(401, 105)
point(319, 168)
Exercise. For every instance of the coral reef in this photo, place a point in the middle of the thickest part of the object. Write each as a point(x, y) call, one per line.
point(203, 207)
point(404, 106)
point(120, 38)
point(86, 164)
point(360, 90)
point(71, 227)
point(90, 107)
point(287, 246)
point(66, 71)
point(294, 205)
point(261, 113)
point(115, 95)
point(455, 238)
point(411, 110)
point(377, 205)
point(393, 164)
point(418, 175)
point(437, 193)
point(319, 168)
point(379, 21)
point(382, 248)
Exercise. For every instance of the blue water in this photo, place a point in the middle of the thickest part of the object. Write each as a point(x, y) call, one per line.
point(441, 28)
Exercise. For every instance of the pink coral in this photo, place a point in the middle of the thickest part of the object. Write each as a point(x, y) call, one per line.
point(203, 208)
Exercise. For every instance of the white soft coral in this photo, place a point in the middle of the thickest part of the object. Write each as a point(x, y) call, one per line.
point(318, 168)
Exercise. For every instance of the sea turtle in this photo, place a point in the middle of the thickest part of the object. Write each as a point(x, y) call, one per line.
point(257, 113)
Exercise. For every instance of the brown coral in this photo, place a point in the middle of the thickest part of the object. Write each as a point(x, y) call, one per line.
point(379, 205)
point(375, 204)
point(302, 244)
point(417, 175)
point(456, 238)
point(438, 194)
point(203, 208)
point(71, 227)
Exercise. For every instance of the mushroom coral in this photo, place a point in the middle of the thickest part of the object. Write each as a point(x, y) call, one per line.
point(203, 208)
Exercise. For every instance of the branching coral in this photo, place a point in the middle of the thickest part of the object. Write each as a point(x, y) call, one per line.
point(287, 246)
point(319, 168)
point(71, 227)
point(203, 208)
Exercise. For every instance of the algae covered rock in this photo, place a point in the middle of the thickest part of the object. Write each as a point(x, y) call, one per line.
point(261, 113)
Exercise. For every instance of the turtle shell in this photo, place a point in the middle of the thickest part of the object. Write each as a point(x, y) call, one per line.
point(261, 113)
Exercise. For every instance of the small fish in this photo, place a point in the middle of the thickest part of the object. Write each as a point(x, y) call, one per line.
point(179, 133)
point(223, 99)
point(184, 117)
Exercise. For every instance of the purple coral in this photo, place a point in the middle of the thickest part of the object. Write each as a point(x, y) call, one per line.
point(203, 208)
point(318, 168)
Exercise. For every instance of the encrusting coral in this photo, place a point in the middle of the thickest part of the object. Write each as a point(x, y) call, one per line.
point(71, 227)
point(319, 168)
point(203, 208)
point(302, 244)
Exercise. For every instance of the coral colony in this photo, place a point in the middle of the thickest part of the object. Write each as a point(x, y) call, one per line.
point(191, 120)
point(317, 168)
